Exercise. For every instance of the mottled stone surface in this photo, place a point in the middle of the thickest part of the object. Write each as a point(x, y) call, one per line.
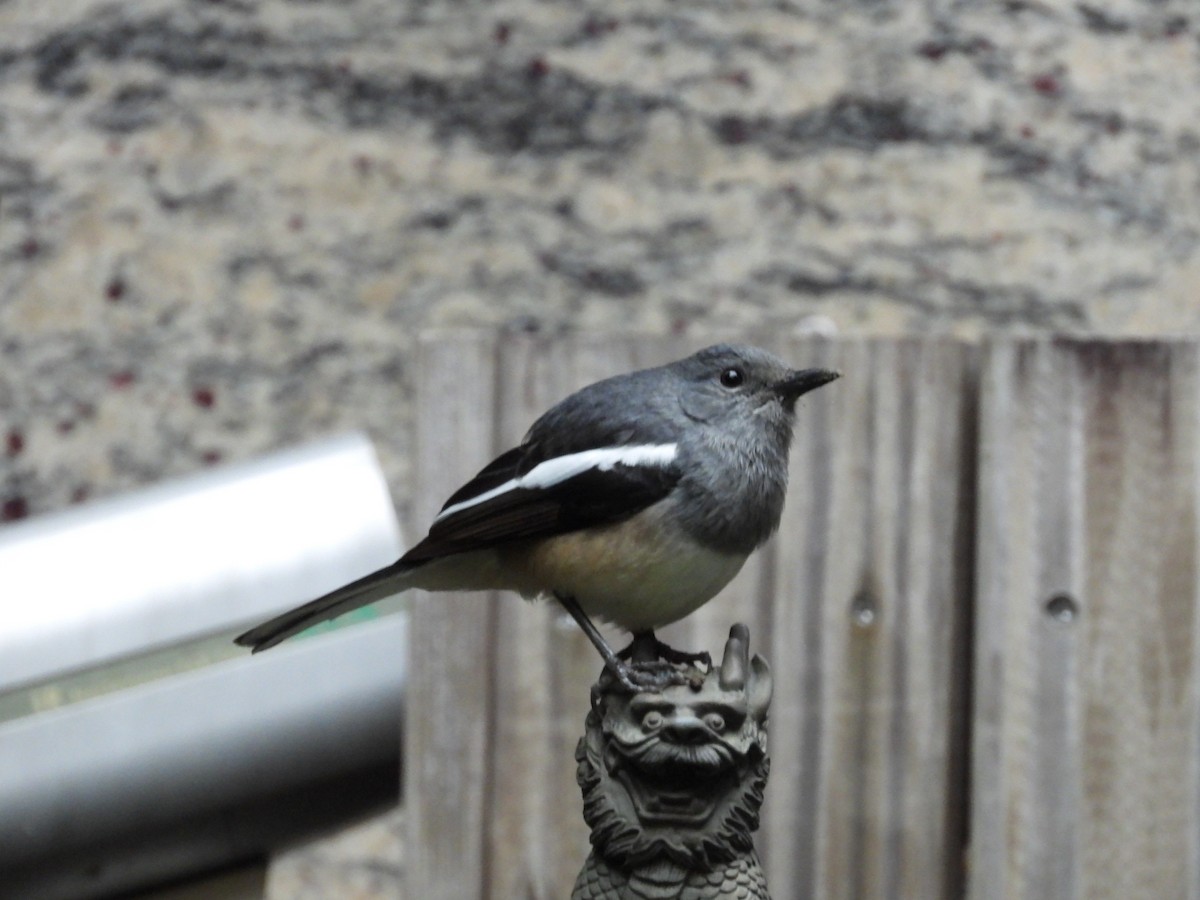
point(364, 862)
point(222, 224)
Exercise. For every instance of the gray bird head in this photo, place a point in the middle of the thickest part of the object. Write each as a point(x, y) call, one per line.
point(741, 403)
point(727, 383)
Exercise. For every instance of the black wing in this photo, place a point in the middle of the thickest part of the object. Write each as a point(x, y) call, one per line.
point(627, 410)
point(593, 497)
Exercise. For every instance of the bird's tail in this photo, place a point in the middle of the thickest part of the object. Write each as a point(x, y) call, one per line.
point(384, 583)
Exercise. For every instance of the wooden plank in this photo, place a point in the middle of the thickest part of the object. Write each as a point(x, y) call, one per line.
point(867, 629)
point(1086, 728)
point(543, 668)
point(447, 734)
point(527, 667)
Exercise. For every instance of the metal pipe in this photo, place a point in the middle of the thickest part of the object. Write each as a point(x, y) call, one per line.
point(201, 769)
point(171, 563)
point(204, 767)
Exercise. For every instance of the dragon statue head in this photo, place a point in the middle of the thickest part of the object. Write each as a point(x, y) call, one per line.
point(676, 777)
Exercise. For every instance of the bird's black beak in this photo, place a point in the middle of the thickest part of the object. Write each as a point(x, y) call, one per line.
point(802, 381)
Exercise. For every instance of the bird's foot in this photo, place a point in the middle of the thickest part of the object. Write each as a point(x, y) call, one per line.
point(648, 664)
point(645, 647)
point(651, 676)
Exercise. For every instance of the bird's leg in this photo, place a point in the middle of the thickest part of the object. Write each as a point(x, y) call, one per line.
point(684, 657)
point(619, 669)
point(656, 666)
point(642, 649)
point(647, 648)
point(645, 671)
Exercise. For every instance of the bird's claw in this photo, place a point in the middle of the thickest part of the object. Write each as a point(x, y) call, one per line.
point(684, 658)
point(652, 676)
point(646, 648)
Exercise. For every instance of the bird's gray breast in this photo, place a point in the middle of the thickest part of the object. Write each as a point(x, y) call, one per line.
point(732, 491)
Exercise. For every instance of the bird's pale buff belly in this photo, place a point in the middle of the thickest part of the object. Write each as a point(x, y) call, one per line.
point(639, 574)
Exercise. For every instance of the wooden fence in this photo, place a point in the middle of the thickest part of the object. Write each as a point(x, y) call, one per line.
point(980, 613)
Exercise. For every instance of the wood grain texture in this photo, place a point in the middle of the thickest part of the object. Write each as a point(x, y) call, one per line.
point(859, 605)
point(448, 727)
point(543, 665)
point(525, 669)
point(1086, 728)
point(993, 549)
point(865, 622)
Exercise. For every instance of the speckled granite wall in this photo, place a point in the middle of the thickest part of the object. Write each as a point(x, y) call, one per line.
point(223, 223)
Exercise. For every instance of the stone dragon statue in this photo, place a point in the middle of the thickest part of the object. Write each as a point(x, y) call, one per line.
point(672, 782)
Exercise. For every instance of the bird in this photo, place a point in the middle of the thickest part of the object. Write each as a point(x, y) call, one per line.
point(635, 500)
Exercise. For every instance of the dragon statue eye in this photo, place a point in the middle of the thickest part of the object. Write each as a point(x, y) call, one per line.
point(652, 720)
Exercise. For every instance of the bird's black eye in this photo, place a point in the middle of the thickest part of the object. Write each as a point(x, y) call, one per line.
point(733, 377)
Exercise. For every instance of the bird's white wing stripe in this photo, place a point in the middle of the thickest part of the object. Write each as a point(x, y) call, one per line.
point(552, 471)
